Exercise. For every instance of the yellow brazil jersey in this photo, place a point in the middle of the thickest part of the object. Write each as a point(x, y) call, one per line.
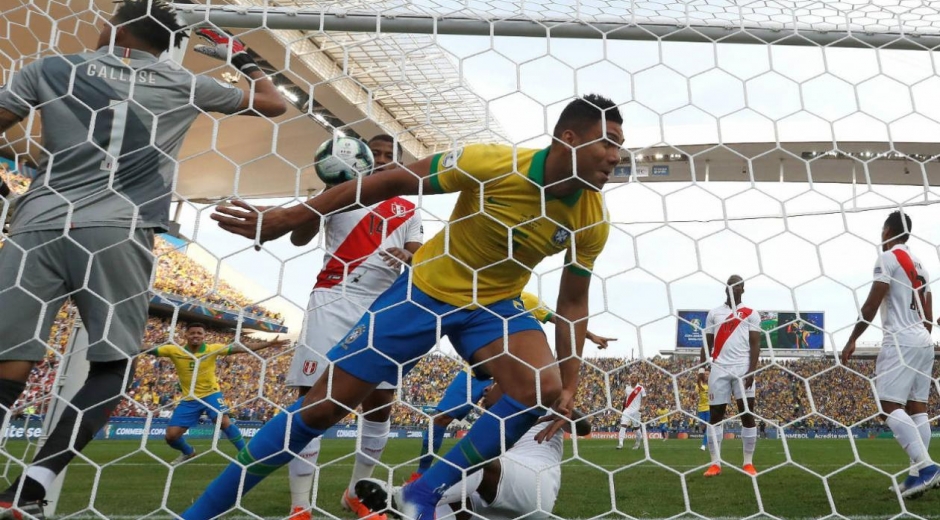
point(533, 304)
point(703, 398)
point(498, 231)
point(663, 414)
point(201, 363)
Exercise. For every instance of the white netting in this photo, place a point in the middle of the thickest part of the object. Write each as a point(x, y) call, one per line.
point(766, 139)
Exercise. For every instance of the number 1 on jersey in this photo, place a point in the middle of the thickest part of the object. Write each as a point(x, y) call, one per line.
point(112, 148)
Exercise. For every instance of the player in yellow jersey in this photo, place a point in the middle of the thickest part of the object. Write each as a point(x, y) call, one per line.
point(663, 414)
point(516, 208)
point(195, 367)
point(461, 395)
point(701, 390)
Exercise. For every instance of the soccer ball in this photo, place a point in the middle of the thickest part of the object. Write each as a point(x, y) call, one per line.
point(342, 159)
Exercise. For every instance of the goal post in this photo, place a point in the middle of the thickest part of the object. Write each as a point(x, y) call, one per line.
point(716, 30)
point(69, 379)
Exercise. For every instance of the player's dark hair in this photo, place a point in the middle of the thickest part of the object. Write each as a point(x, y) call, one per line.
point(196, 325)
point(385, 138)
point(899, 226)
point(151, 21)
point(583, 113)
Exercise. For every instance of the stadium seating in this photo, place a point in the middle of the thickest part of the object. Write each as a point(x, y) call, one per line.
point(782, 391)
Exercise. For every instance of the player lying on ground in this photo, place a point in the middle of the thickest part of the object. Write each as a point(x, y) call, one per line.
point(195, 365)
point(113, 122)
point(461, 395)
point(523, 482)
point(516, 207)
point(364, 252)
point(732, 335)
point(630, 417)
point(904, 366)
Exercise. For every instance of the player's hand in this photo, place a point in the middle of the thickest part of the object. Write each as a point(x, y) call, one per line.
point(560, 416)
point(600, 341)
point(847, 352)
point(749, 381)
point(219, 46)
point(261, 223)
point(396, 256)
point(277, 342)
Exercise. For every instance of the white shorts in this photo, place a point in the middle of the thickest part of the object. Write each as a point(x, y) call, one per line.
point(727, 382)
point(330, 316)
point(523, 490)
point(630, 420)
point(903, 374)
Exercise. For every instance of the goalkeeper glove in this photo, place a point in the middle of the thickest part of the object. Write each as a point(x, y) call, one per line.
point(218, 48)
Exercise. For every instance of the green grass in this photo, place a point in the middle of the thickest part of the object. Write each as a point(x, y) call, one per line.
point(131, 481)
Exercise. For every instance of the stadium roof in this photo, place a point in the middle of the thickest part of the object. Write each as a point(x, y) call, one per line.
point(406, 85)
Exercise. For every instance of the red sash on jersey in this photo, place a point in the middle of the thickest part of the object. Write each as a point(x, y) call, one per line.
point(364, 239)
point(636, 391)
point(728, 327)
point(907, 265)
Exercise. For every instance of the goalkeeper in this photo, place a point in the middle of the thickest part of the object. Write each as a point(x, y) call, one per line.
point(113, 122)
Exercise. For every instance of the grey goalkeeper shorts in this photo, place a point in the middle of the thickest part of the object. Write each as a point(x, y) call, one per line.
point(104, 270)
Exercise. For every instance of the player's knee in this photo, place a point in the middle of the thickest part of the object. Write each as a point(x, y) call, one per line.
point(383, 414)
point(172, 436)
point(324, 414)
point(443, 421)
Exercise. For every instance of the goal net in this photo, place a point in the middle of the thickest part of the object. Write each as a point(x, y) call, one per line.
point(764, 139)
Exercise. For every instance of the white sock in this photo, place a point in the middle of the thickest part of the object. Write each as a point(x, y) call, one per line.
point(302, 469)
point(922, 421)
point(908, 437)
point(637, 436)
point(462, 490)
point(372, 441)
point(749, 439)
point(44, 476)
point(715, 433)
point(621, 436)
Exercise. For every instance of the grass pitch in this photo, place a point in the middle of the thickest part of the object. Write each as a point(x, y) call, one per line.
point(823, 477)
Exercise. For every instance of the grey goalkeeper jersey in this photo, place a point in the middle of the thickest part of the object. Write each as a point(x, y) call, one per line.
point(112, 127)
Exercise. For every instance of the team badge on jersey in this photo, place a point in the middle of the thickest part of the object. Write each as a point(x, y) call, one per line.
point(450, 160)
point(399, 210)
point(354, 334)
point(561, 236)
point(310, 367)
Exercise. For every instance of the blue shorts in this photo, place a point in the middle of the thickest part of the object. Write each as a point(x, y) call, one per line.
point(456, 403)
point(402, 325)
point(705, 416)
point(187, 413)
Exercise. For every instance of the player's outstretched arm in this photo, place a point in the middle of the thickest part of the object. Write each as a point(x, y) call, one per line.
point(264, 223)
point(600, 341)
point(255, 346)
point(262, 97)
point(876, 295)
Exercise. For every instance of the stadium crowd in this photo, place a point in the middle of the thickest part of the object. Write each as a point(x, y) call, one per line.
point(179, 274)
point(784, 387)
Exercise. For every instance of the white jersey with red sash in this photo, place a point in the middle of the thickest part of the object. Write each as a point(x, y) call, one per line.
point(354, 238)
point(902, 317)
point(634, 400)
point(732, 334)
